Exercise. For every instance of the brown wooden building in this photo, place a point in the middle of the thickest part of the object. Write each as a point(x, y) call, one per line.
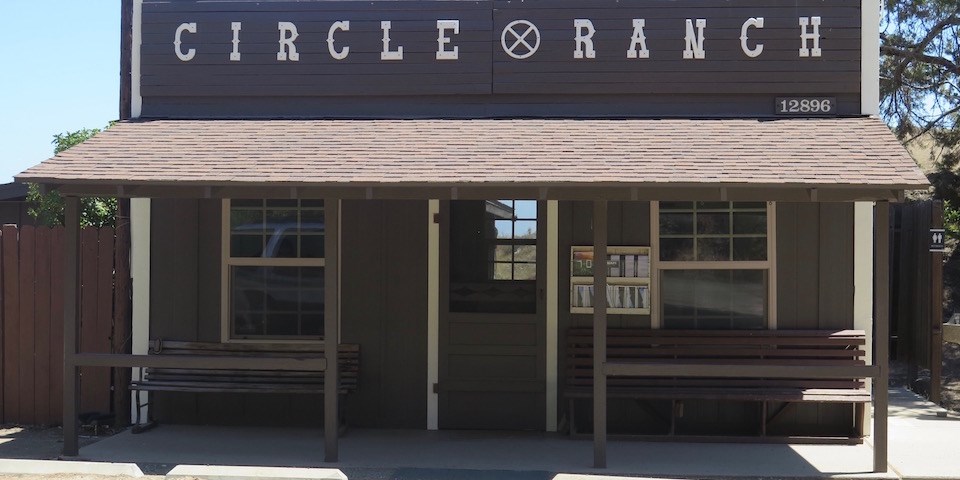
point(427, 185)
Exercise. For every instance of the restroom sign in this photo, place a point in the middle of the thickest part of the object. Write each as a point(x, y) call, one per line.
point(937, 240)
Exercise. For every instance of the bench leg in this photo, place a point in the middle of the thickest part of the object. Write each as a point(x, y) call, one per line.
point(673, 418)
point(763, 418)
point(139, 427)
point(343, 426)
point(572, 414)
point(858, 417)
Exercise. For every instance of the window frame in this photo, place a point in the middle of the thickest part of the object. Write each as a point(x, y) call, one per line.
point(513, 242)
point(657, 266)
point(227, 261)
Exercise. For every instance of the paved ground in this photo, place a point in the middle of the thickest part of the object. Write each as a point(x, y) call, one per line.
point(409, 455)
point(924, 444)
point(924, 439)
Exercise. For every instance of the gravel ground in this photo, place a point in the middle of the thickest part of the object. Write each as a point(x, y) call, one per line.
point(950, 391)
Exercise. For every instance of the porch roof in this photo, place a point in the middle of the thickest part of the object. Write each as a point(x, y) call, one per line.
point(843, 158)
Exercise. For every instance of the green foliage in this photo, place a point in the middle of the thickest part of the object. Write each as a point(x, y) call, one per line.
point(951, 220)
point(920, 82)
point(48, 207)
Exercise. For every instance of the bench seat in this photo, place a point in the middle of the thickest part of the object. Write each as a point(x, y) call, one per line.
point(192, 380)
point(727, 348)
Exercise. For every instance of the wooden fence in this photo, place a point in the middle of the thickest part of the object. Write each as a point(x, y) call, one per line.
point(916, 300)
point(31, 321)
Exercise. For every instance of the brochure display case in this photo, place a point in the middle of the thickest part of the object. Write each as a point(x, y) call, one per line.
point(628, 280)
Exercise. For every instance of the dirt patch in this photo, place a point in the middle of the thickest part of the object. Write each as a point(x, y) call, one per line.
point(73, 476)
point(950, 390)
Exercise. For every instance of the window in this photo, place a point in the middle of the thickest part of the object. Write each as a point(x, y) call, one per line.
point(493, 256)
point(514, 247)
point(274, 266)
point(714, 265)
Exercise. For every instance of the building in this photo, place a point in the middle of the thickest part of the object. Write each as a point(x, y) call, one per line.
point(438, 177)
point(13, 204)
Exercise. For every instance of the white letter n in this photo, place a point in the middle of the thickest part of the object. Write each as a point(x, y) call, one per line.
point(695, 39)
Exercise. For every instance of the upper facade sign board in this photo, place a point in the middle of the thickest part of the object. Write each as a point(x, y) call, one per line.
point(444, 47)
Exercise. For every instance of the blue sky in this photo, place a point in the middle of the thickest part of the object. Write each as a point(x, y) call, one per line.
point(59, 71)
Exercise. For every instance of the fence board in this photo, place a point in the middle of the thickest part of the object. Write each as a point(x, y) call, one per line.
point(41, 335)
point(56, 325)
point(99, 390)
point(916, 311)
point(11, 327)
point(27, 325)
point(2, 336)
point(88, 312)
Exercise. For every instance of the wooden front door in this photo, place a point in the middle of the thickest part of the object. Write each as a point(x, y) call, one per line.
point(492, 323)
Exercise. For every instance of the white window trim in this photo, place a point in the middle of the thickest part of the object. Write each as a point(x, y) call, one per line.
point(226, 261)
point(656, 266)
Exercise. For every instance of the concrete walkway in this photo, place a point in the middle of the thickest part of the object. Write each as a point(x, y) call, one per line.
point(922, 445)
point(924, 439)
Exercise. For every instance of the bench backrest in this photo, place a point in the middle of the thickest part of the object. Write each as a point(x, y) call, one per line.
point(727, 347)
point(348, 357)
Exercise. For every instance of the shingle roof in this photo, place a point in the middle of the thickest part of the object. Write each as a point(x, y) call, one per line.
point(825, 152)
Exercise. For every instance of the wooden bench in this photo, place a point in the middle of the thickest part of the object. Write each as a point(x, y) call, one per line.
point(729, 350)
point(246, 381)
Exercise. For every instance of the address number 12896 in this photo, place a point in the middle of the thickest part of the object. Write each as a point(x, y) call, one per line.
point(806, 106)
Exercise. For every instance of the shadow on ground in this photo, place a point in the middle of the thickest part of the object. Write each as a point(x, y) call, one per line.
point(34, 443)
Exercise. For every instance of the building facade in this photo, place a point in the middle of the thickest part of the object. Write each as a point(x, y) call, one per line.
point(432, 181)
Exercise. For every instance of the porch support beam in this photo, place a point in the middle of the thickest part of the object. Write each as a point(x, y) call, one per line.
point(881, 319)
point(599, 333)
point(586, 192)
point(331, 335)
point(71, 340)
point(706, 369)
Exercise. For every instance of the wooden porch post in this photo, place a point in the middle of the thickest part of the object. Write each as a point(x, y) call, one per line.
point(881, 319)
point(71, 301)
point(331, 317)
point(936, 308)
point(599, 333)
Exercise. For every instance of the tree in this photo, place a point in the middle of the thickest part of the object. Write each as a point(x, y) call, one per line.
point(47, 207)
point(920, 83)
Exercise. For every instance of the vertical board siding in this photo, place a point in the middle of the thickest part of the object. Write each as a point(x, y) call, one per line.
point(913, 317)
point(814, 291)
point(814, 266)
point(31, 321)
point(384, 257)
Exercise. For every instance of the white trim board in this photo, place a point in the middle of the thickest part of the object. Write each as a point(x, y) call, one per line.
point(433, 314)
point(140, 275)
point(553, 308)
point(870, 57)
point(863, 285)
